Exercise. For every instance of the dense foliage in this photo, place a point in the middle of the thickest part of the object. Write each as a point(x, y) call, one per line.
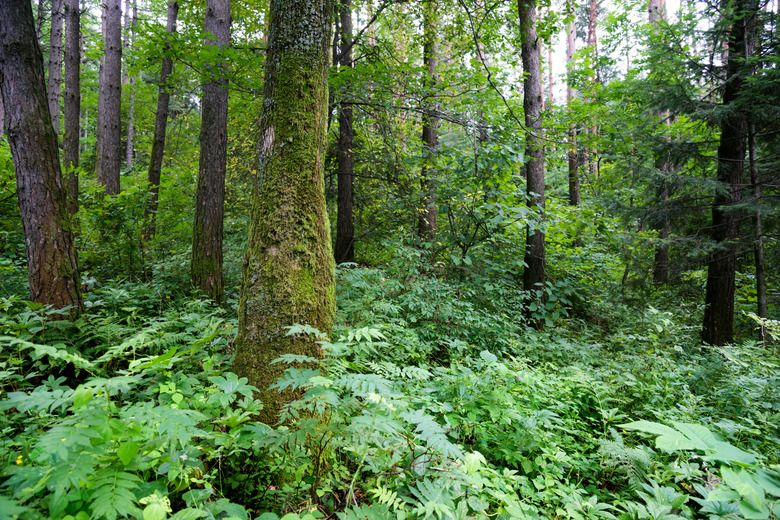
point(445, 391)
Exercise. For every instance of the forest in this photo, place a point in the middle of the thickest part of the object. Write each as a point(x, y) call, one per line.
point(389, 259)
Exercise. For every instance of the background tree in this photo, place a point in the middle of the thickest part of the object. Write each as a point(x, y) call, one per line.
point(55, 63)
point(207, 234)
point(572, 162)
point(109, 111)
point(430, 125)
point(534, 272)
point(345, 229)
point(131, 23)
point(160, 126)
point(72, 102)
point(52, 265)
point(718, 327)
point(288, 269)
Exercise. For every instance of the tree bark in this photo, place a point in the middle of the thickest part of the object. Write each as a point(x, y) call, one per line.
point(210, 197)
point(288, 270)
point(426, 222)
point(574, 174)
point(534, 272)
point(130, 38)
point(762, 304)
point(72, 102)
point(718, 326)
point(160, 127)
point(55, 64)
point(345, 231)
point(52, 265)
point(109, 133)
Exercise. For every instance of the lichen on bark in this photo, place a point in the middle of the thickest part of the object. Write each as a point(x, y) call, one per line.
point(288, 269)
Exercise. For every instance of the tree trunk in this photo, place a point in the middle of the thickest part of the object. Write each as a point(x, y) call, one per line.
point(109, 133)
point(130, 38)
point(72, 103)
point(762, 305)
point(55, 64)
point(426, 222)
point(52, 265)
point(534, 273)
point(210, 197)
point(574, 174)
point(656, 10)
point(592, 153)
point(345, 231)
point(160, 127)
point(41, 18)
point(288, 270)
point(718, 324)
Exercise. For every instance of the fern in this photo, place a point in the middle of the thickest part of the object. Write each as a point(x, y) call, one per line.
point(635, 463)
point(364, 384)
point(435, 499)
point(367, 512)
point(432, 434)
point(112, 494)
point(387, 497)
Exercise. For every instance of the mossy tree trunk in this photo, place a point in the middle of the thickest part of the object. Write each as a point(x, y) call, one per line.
point(52, 266)
point(534, 272)
point(288, 269)
point(207, 234)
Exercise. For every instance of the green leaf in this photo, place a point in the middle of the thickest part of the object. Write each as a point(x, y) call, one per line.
point(127, 451)
point(81, 396)
point(488, 357)
point(9, 508)
point(649, 427)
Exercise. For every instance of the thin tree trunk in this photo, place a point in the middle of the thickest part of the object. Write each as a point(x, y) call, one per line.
point(574, 174)
point(210, 198)
point(656, 14)
point(592, 160)
point(534, 273)
point(52, 264)
point(762, 305)
point(72, 102)
point(41, 18)
point(550, 82)
point(109, 133)
point(288, 269)
point(130, 38)
point(160, 127)
point(718, 326)
point(55, 64)
point(426, 222)
point(345, 231)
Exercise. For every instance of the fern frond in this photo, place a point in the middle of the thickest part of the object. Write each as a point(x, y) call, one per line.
point(112, 494)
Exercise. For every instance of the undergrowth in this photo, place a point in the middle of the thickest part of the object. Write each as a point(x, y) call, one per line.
point(433, 400)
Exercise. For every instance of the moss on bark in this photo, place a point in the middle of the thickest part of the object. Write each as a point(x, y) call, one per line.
point(288, 270)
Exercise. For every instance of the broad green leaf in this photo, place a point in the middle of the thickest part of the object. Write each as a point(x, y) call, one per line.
point(127, 451)
point(649, 427)
point(81, 397)
point(728, 453)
